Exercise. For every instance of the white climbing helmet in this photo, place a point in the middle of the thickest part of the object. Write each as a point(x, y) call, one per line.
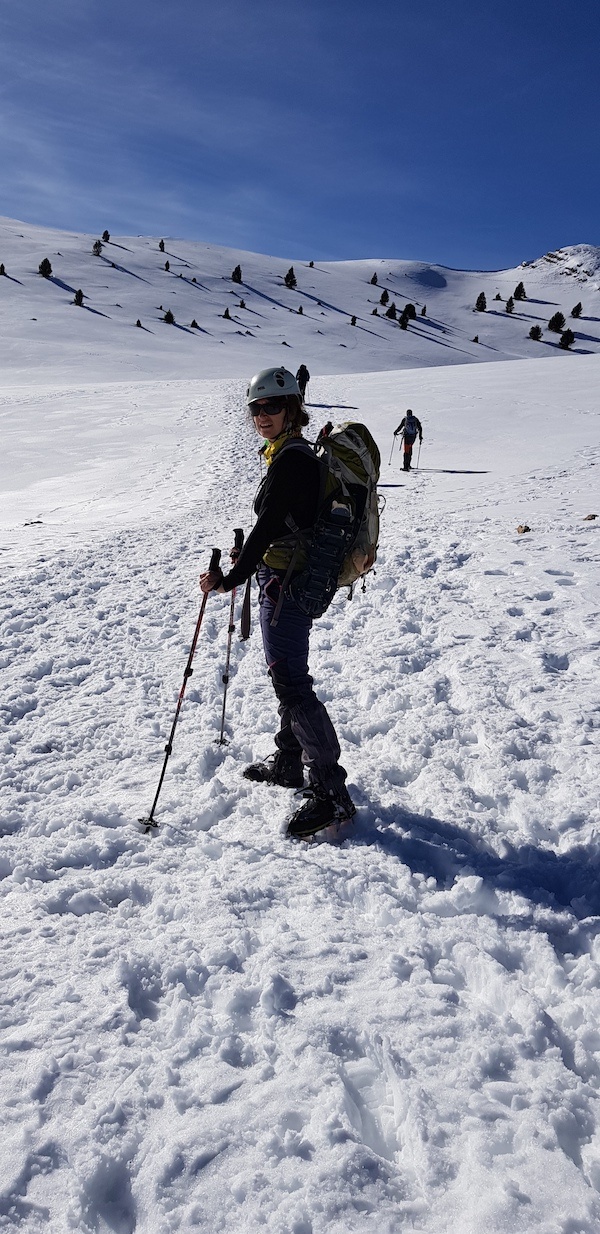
point(271, 383)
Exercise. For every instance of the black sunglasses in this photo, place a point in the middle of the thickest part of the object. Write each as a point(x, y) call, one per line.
point(272, 406)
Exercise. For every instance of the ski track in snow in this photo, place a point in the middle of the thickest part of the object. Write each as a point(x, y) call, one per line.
point(214, 1028)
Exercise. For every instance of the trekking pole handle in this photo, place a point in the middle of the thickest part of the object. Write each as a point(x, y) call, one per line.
point(238, 541)
point(215, 558)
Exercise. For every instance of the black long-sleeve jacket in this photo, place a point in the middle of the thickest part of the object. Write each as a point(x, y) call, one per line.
point(291, 486)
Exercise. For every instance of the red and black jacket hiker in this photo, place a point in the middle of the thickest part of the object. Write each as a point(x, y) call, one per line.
point(306, 737)
point(410, 428)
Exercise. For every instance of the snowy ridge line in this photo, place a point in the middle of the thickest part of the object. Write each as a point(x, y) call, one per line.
point(192, 281)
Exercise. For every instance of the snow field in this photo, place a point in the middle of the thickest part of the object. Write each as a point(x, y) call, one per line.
point(213, 1028)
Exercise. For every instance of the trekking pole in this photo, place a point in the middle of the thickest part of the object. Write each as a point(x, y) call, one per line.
point(149, 821)
point(392, 449)
point(235, 552)
point(419, 454)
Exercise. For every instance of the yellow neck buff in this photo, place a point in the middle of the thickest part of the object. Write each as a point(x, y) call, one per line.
point(272, 447)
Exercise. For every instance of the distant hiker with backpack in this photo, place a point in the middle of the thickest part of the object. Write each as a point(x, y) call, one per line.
point(303, 378)
point(410, 428)
point(291, 490)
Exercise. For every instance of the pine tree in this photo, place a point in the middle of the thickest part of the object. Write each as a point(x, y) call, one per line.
point(410, 311)
point(566, 338)
point(106, 236)
point(497, 296)
point(557, 323)
point(375, 313)
point(353, 321)
point(404, 320)
point(311, 264)
point(242, 304)
point(78, 298)
point(510, 304)
point(535, 333)
point(300, 310)
point(226, 315)
point(577, 310)
point(45, 268)
point(290, 279)
point(2, 270)
point(169, 318)
point(481, 303)
point(236, 275)
point(475, 339)
point(167, 265)
point(138, 323)
point(374, 280)
point(194, 325)
point(384, 297)
point(391, 311)
point(519, 292)
point(161, 246)
point(97, 248)
point(424, 311)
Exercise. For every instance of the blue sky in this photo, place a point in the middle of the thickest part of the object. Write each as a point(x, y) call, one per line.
point(458, 132)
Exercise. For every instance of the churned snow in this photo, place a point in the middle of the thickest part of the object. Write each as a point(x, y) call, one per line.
point(215, 1028)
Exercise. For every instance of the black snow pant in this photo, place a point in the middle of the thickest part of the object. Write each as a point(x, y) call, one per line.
point(305, 727)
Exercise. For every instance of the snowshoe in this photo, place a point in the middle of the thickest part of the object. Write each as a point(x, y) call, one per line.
point(321, 809)
point(282, 768)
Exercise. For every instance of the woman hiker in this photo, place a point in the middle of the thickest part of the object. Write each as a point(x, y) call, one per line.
point(306, 736)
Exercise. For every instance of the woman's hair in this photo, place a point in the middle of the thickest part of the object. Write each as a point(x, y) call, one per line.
point(297, 415)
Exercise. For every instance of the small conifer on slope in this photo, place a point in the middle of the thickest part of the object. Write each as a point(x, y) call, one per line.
point(566, 339)
point(557, 322)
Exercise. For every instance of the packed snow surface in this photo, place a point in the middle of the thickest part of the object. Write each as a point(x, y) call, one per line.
point(214, 1028)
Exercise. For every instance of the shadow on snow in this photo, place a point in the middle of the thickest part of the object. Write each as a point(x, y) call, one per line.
point(444, 852)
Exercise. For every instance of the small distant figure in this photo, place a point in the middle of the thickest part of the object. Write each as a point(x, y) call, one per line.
point(303, 378)
point(410, 428)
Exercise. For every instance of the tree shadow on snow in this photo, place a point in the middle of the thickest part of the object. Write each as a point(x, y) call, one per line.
point(59, 283)
point(585, 338)
point(96, 312)
point(444, 852)
point(122, 269)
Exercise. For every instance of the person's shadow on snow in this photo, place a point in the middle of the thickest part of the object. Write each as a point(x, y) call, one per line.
point(442, 851)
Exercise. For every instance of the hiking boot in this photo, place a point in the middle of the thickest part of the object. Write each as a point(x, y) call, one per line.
point(282, 768)
point(321, 809)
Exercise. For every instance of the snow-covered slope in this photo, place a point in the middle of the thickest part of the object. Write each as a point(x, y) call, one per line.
point(214, 1029)
point(128, 282)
